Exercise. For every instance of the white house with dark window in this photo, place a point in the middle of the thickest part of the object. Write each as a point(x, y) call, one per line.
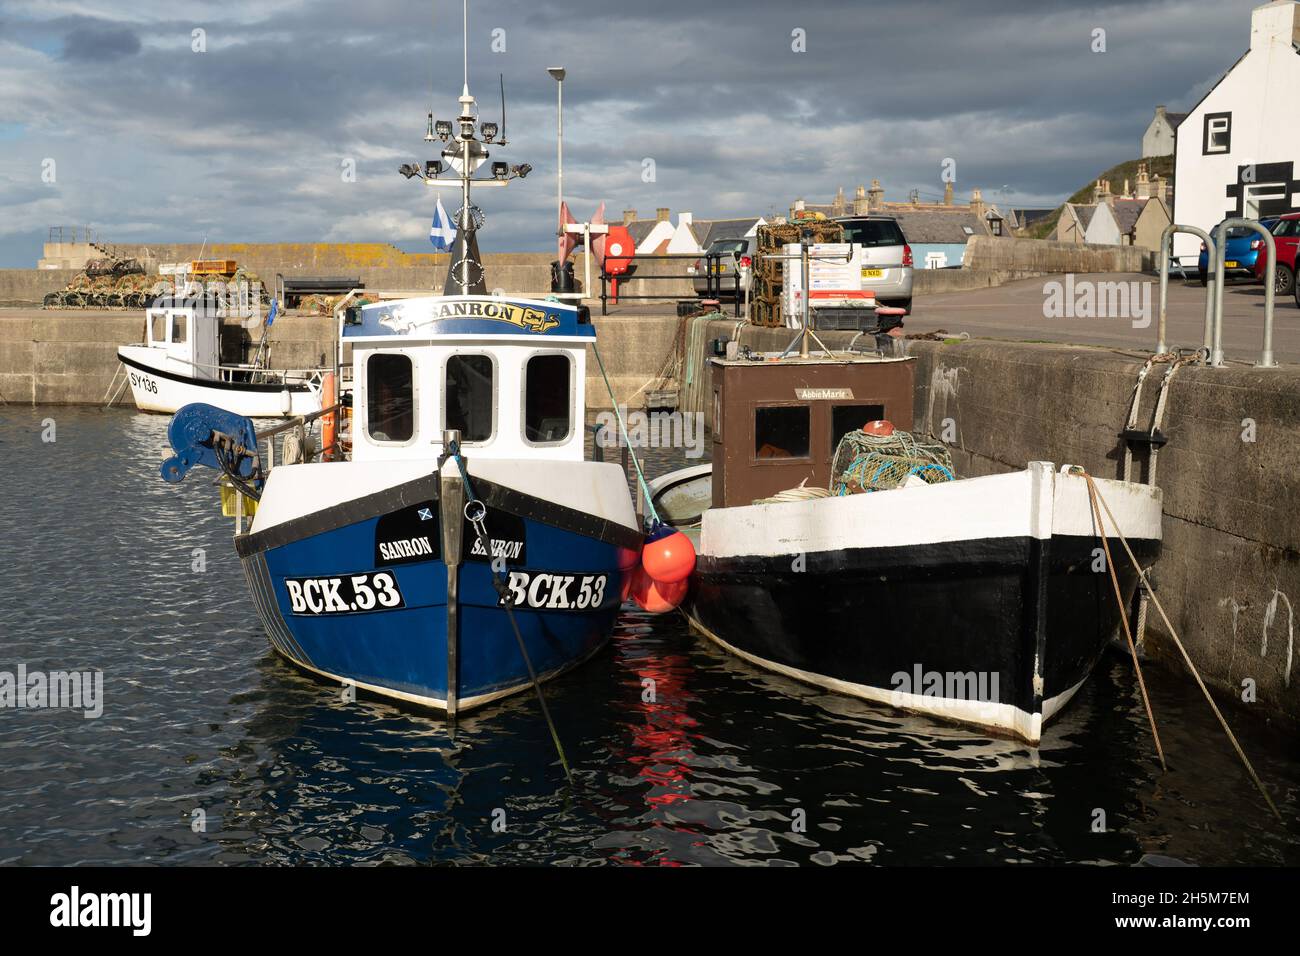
point(1238, 150)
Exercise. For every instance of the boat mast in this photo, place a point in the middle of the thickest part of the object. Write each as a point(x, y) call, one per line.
point(465, 153)
point(466, 102)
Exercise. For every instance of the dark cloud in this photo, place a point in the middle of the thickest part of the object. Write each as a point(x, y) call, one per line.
point(155, 142)
point(97, 43)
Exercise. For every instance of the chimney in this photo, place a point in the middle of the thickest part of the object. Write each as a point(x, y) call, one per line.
point(1143, 182)
point(838, 207)
point(860, 201)
point(684, 218)
point(661, 214)
point(947, 194)
point(1276, 26)
point(629, 216)
point(875, 196)
point(1104, 194)
point(1160, 110)
point(1128, 193)
point(977, 202)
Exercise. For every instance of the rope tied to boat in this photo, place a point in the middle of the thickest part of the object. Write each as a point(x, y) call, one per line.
point(618, 415)
point(1098, 503)
point(476, 515)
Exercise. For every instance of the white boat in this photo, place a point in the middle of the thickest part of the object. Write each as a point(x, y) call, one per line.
point(178, 364)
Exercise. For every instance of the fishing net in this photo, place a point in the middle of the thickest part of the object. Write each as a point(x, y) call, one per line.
point(866, 462)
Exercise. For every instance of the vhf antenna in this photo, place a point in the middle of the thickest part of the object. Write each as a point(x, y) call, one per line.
point(502, 140)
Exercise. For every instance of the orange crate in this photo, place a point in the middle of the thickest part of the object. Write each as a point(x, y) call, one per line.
point(213, 267)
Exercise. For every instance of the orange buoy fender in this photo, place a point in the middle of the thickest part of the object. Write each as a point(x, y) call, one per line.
point(657, 597)
point(668, 555)
point(879, 427)
point(629, 562)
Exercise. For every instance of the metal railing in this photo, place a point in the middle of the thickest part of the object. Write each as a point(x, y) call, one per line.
point(1270, 269)
point(1212, 343)
point(1166, 254)
point(713, 275)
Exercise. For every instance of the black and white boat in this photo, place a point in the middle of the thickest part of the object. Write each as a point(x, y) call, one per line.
point(978, 600)
point(178, 364)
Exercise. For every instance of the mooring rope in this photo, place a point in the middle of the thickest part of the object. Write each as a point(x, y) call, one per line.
point(1123, 618)
point(645, 488)
point(476, 518)
point(1096, 496)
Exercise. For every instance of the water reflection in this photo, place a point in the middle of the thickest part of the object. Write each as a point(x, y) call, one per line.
point(683, 754)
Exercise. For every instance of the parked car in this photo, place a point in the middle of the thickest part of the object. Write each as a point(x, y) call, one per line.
point(1286, 236)
point(735, 258)
point(1244, 244)
point(886, 258)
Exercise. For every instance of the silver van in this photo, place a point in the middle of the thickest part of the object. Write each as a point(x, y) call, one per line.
point(734, 258)
point(886, 257)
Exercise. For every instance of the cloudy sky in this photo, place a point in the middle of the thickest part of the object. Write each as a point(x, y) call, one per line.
point(248, 140)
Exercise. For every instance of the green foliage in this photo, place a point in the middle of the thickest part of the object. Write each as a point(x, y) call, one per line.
point(1162, 166)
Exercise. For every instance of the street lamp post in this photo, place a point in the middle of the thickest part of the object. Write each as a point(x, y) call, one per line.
point(557, 72)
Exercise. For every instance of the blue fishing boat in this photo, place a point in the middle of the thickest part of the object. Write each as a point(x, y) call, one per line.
point(452, 545)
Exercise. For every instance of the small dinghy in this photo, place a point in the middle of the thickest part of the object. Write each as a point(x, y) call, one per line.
point(838, 554)
point(178, 364)
point(454, 546)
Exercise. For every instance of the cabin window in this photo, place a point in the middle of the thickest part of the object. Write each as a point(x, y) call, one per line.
point(548, 403)
point(390, 397)
point(781, 431)
point(178, 328)
point(158, 328)
point(847, 418)
point(470, 396)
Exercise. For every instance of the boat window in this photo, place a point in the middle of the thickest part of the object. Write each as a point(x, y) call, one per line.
point(469, 396)
point(547, 402)
point(847, 418)
point(781, 431)
point(158, 328)
point(390, 397)
point(178, 328)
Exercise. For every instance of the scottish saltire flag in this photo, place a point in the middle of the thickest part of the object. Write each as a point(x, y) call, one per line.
point(442, 233)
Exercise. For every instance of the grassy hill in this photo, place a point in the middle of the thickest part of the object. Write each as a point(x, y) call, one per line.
point(1162, 166)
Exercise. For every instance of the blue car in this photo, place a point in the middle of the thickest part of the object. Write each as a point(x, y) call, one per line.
point(1244, 245)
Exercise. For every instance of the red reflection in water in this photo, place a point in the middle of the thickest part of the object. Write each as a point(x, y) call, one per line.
point(660, 728)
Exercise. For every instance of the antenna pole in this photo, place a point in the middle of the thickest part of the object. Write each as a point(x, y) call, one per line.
point(465, 38)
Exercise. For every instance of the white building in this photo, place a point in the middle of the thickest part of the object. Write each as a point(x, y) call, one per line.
point(1158, 140)
point(1239, 147)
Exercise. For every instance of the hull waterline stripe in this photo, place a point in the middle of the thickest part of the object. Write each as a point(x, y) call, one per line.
point(438, 703)
point(990, 716)
point(215, 383)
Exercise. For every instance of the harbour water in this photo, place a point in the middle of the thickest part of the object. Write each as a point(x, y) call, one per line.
point(211, 750)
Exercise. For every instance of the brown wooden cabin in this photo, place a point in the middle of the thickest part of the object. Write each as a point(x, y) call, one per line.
point(776, 423)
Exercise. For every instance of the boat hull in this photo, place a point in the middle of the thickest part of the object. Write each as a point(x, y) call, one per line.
point(159, 389)
point(563, 570)
point(994, 630)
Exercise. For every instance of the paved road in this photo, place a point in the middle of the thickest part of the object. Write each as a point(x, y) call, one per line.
point(1015, 311)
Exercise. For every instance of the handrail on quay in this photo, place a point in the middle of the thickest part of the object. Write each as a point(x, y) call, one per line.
point(713, 280)
point(1266, 355)
point(1165, 252)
